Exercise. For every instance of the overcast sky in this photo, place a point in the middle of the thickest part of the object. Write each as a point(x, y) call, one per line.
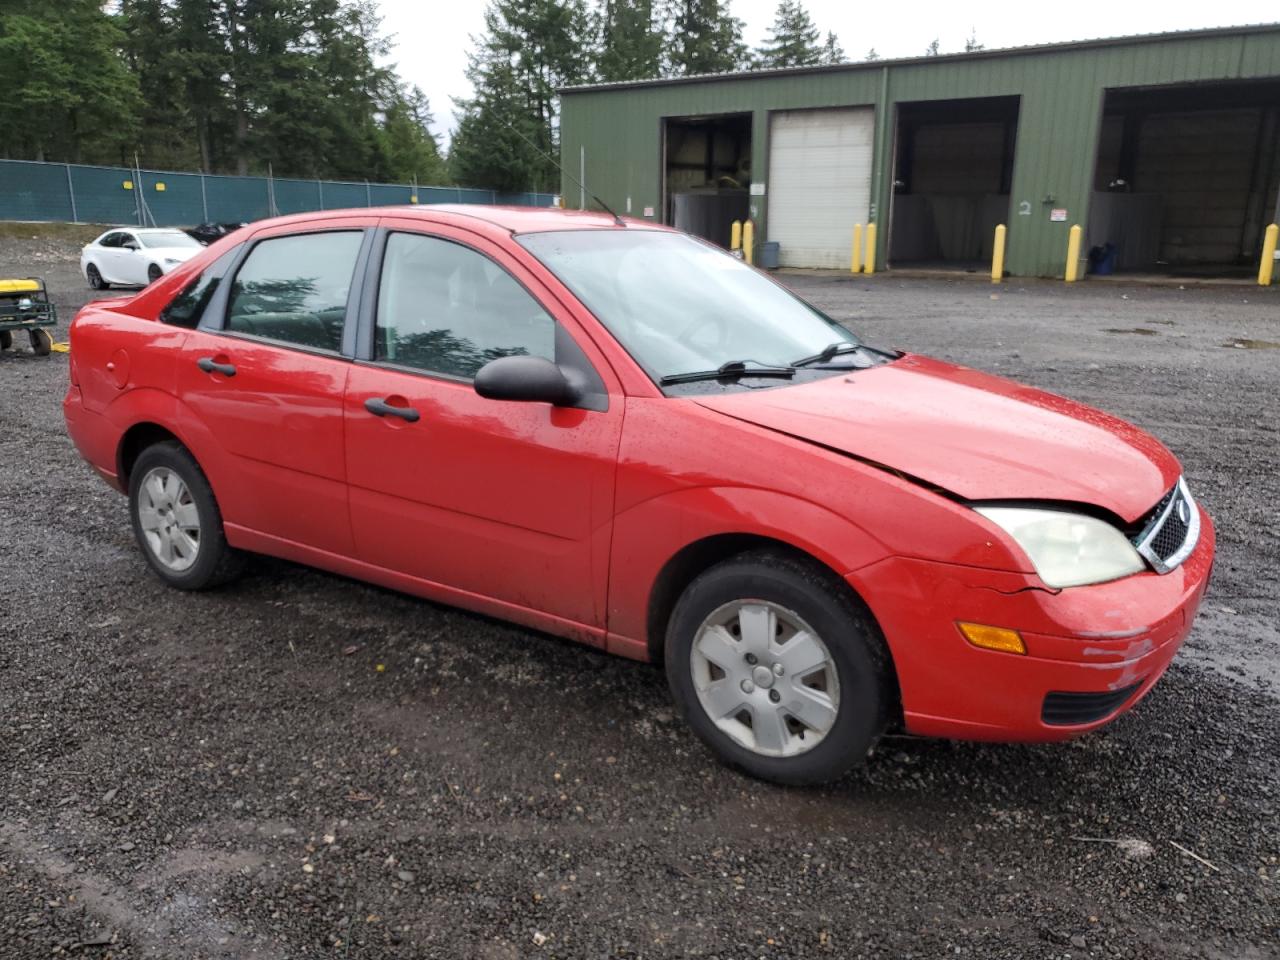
point(432, 38)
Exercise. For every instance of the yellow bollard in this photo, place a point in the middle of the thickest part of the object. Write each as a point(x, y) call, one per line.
point(869, 266)
point(735, 235)
point(1268, 265)
point(997, 255)
point(749, 241)
point(855, 261)
point(1073, 254)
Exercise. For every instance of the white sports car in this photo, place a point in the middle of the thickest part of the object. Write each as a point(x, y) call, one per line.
point(135, 257)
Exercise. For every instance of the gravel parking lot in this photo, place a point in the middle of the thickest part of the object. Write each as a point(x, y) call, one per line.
point(300, 765)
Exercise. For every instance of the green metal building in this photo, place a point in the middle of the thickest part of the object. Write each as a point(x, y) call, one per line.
point(1165, 148)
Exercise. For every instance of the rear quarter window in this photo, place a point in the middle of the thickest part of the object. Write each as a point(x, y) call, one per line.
point(186, 309)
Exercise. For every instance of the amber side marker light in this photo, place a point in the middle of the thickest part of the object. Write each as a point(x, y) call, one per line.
point(992, 638)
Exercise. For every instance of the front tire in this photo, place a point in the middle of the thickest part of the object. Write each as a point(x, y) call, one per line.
point(176, 520)
point(154, 273)
point(95, 278)
point(779, 669)
point(41, 342)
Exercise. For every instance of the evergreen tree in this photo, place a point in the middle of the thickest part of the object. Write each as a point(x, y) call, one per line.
point(832, 52)
point(872, 55)
point(793, 39)
point(631, 41)
point(203, 53)
point(63, 76)
point(507, 134)
point(706, 38)
point(932, 49)
point(412, 152)
point(972, 45)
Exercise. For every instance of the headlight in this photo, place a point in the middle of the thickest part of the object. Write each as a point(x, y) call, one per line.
point(1067, 549)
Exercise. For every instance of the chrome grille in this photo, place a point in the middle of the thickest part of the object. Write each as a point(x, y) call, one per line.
point(1170, 530)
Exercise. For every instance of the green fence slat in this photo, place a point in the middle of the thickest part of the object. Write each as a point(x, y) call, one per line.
point(117, 195)
point(33, 191)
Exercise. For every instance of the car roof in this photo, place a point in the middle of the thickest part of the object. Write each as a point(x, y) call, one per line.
point(532, 219)
point(514, 220)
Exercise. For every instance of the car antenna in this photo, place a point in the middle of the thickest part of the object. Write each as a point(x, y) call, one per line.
point(607, 209)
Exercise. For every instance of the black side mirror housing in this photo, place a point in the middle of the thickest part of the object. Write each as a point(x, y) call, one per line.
point(528, 379)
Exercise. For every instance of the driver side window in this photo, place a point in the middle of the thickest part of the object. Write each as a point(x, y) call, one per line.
point(444, 308)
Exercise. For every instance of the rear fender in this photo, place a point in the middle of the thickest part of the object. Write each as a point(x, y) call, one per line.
point(149, 405)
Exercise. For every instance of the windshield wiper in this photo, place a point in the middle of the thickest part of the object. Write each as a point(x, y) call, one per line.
point(828, 353)
point(732, 370)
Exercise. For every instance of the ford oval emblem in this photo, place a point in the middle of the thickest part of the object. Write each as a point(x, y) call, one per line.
point(1184, 511)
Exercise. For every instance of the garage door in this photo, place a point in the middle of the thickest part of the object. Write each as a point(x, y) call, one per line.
point(819, 183)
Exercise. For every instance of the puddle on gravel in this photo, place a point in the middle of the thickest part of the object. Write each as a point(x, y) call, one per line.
point(1144, 331)
point(1242, 344)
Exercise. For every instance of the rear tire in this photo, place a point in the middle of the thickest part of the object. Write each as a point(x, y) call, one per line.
point(176, 520)
point(6, 339)
point(779, 669)
point(41, 342)
point(95, 278)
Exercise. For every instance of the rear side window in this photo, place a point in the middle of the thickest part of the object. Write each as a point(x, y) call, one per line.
point(294, 289)
point(444, 308)
point(186, 309)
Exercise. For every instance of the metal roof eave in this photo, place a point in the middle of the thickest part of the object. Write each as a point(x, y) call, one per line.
point(1100, 43)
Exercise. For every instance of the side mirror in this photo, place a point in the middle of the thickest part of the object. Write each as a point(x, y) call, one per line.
point(531, 379)
point(130, 245)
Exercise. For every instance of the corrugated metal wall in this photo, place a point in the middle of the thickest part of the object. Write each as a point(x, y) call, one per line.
point(67, 192)
point(619, 129)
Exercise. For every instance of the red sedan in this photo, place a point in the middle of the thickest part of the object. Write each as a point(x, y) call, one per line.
point(619, 434)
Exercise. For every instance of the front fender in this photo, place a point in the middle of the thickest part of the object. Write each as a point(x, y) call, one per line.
point(648, 534)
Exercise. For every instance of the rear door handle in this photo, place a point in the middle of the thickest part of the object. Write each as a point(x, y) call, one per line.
point(380, 408)
point(209, 365)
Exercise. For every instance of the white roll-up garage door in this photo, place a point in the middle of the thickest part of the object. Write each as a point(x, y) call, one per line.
point(819, 183)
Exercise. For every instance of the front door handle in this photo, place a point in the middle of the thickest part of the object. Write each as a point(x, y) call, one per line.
point(209, 365)
point(380, 408)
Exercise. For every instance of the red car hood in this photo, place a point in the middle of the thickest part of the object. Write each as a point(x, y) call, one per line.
point(975, 435)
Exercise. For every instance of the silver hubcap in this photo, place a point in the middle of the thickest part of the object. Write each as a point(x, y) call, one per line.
point(765, 678)
point(169, 519)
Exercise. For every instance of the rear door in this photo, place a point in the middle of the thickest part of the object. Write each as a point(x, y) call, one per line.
point(264, 375)
point(500, 500)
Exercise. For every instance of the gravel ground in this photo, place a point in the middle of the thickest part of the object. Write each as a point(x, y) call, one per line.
point(300, 765)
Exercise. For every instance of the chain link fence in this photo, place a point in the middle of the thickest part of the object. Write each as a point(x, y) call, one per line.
point(70, 192)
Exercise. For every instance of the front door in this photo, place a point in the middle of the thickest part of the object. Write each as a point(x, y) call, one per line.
point(504, 501)
point(264, 375)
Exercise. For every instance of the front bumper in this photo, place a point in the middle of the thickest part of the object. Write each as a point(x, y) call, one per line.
point(1110, 642)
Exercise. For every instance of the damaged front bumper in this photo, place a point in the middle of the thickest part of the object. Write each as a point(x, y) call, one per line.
point(1091, 652)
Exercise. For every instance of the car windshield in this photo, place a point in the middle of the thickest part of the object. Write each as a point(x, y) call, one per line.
point(679, 305)
point(167, 238)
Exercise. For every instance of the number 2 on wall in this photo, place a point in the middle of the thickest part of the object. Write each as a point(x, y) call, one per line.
point(1024, 208)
